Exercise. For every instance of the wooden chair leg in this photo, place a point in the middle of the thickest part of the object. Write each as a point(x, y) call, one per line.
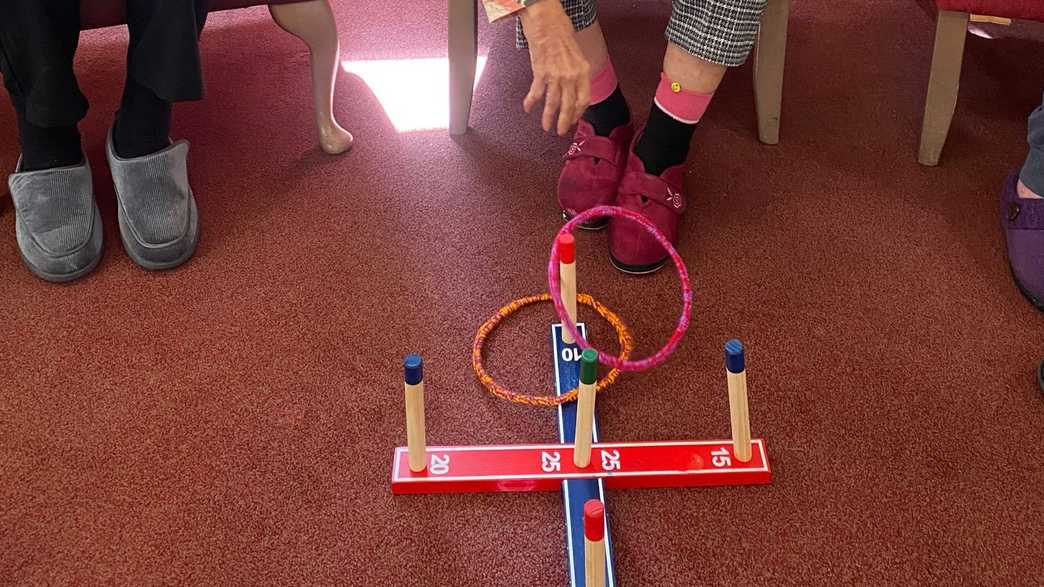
point(769, 58)
point(943, 85)
point(313, 22)
point(463, 58)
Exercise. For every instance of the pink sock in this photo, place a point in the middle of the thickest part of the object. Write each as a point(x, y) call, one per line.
point(604, 83)
point(683, 105)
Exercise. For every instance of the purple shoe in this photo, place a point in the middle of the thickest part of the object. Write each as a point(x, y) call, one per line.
point(593, 167)
point(1023, 222)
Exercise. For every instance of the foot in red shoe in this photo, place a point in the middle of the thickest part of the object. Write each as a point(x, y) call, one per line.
point(658, 198)
point(593, 167)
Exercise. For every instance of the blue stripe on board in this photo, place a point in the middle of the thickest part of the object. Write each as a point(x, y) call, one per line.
point(576, 492)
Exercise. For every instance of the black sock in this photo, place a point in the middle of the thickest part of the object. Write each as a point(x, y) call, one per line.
point(664, 143)
point(142, 123)
point(47, 148)
point(608, 114)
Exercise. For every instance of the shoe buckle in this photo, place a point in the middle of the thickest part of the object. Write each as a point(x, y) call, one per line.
point(673, 198)
point(1013, 211)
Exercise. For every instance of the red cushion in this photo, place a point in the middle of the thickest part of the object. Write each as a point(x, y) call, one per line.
point(100, 13)
point(1025, 9)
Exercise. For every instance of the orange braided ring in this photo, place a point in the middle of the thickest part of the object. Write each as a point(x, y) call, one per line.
point(622, 334)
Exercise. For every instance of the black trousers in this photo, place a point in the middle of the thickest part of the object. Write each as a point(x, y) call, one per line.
point(38, 40)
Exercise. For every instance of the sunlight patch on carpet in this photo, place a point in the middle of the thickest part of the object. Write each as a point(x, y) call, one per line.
point(399, 83)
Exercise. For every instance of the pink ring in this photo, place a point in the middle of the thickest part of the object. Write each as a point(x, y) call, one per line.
point(661, 355)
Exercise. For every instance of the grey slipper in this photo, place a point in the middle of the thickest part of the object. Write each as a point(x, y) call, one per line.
point(159, 224)
point(57, 223)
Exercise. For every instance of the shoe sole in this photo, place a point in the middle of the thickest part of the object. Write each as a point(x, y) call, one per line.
point(67, 277)
point(154, 266)
point(60, 277)
point(1025, 292)
point(637, 269)
point(593, 225)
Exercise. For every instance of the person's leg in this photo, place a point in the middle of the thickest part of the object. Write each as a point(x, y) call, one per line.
point(1031, 179)
point(592, 43)
point(608, 108)
point(163, 67)
point(157, 213)
point(1022, 215)
point(686, 87)
point(38, 40)
point(705, 37)
point(57, 223)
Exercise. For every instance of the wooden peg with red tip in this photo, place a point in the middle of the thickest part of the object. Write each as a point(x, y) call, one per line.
point(567, 272)
point(594, 543)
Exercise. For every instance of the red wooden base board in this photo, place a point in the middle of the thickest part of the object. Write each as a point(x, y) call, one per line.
point(543, 467)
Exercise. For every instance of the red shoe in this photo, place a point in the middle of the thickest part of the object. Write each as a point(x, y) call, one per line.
point(593, 167)
point(660, 199)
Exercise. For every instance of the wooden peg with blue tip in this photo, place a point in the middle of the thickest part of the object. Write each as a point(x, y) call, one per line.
point(413, 368)
point(736, 372)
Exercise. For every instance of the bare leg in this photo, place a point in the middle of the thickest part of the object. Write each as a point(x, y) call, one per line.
point(694, 74)
point(592, 43)
point(1025, 192)
point(313, 22)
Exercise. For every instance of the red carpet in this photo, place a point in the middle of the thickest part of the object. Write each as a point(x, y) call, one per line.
point(232, 422)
